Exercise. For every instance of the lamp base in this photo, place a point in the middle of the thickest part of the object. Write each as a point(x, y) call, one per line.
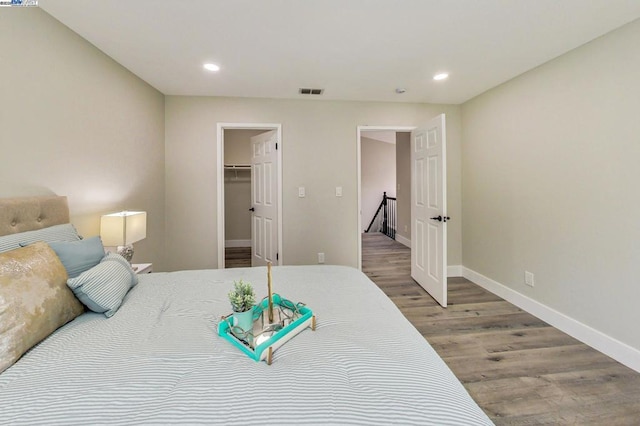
point(126, 252)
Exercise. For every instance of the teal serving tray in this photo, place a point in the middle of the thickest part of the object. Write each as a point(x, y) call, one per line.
point(264, 351)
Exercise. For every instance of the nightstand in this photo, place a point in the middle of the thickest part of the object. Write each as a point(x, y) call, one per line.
point(142, 268)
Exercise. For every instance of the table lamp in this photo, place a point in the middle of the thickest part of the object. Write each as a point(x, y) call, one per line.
point(122, 229)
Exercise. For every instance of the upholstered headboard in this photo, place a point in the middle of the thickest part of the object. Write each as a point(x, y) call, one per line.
point(31, 213)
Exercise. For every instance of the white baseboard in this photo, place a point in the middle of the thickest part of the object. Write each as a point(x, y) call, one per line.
point(454, 271)
point(237, 243)
point(403, 240)
point(614, 348)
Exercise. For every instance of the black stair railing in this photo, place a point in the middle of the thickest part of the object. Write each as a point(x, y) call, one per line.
point(385, 217)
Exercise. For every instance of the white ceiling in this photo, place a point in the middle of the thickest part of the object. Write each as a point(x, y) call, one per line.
point(353, 49)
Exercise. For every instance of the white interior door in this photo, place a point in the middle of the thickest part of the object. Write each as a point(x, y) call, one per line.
point(429, 208)
point(264, 193)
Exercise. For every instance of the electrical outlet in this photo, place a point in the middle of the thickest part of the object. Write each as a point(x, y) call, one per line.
point(301, 192)
point(320, 257)
point(338, 191)
point(529, 279)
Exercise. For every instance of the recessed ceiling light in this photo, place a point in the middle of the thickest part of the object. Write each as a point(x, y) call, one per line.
point(211, 67)
point(441, 76)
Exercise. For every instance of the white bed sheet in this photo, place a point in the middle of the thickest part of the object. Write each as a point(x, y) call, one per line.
point(159, 360)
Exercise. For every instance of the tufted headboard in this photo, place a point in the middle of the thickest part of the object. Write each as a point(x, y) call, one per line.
point(31, 213)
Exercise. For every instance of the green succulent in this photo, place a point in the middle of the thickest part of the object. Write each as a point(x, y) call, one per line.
point(242, 297)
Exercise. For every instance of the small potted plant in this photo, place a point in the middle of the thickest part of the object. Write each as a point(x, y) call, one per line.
point(242, 300)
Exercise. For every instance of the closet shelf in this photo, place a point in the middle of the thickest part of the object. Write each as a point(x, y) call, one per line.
point(237, 166)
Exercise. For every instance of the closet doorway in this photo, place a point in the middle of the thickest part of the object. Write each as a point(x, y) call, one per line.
point(249, 194)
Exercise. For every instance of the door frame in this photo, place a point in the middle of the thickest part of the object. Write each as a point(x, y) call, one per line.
point(359, 131)
point(221, 127)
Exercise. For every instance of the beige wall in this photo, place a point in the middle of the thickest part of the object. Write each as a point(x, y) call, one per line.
point(237, 202)
point(75, 121)
point(319, 152)
point(403, 182)
point(550, 174)
point(378, 170)
point(237, 145)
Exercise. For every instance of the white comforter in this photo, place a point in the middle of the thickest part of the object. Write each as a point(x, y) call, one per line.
point(159, 360)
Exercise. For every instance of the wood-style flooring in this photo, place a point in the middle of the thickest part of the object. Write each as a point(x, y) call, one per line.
point(520, 370)
point(237, 257)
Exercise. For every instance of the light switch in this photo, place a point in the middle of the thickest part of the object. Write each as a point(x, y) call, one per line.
point(338, 191)
point(301, 192)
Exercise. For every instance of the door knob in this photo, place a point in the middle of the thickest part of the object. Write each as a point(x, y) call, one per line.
point(441, 219)
point(252, 209)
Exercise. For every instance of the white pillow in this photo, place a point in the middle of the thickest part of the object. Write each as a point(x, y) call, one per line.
point(64, 232)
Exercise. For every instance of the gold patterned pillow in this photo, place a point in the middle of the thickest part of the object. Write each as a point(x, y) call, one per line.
point(34, 299)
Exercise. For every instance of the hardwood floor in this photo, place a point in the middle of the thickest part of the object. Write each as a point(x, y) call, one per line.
point(520, 370)
point(237, 257)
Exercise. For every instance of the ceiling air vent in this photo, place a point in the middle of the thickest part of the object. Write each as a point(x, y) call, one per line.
point(311, 91)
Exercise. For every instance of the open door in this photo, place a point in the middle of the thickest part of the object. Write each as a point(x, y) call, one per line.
point(429, 208)
point(264, 205)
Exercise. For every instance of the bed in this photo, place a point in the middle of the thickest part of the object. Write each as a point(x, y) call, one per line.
point(158, 359)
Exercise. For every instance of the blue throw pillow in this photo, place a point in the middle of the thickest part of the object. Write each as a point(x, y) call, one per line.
point(79, 256)
point(103, 287)
point(115, 257)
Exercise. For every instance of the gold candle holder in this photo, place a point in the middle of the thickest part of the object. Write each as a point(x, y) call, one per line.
point(270, 290)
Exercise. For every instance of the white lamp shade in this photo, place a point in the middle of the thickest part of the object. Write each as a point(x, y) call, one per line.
point(123, 228)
